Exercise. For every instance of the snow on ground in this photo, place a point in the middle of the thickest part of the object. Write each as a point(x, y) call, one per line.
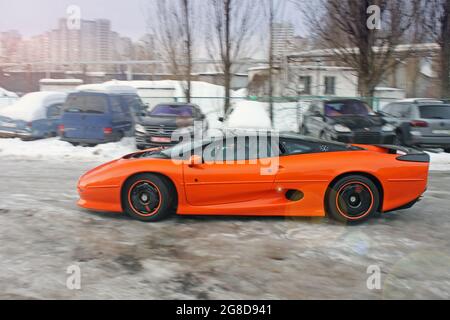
point(56, 149)
point(440, 161)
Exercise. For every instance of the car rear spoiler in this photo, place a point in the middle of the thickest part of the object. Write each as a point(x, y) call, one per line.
point(406, 153)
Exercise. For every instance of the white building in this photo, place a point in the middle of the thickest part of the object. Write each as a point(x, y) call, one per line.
point(283, 39)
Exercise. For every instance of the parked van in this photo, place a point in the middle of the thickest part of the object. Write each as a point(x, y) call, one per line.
point(34, 116)
point(101, 113)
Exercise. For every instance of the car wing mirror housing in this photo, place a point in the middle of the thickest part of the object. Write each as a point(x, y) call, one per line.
point(195, 160)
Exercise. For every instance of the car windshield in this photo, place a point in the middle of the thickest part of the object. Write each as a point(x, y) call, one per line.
point(435, 112)
point(347, 108)
point(184, 149)
point(171, 111)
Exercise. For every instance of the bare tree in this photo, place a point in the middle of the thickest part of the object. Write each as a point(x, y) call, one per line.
point(342, 25)
point(228, 35)
point(437, 13)
point(171, 23)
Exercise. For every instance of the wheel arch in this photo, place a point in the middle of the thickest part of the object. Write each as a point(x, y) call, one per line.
point(367, 175)
point(159, 174)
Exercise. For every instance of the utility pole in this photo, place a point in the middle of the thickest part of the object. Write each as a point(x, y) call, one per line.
point(271, 57)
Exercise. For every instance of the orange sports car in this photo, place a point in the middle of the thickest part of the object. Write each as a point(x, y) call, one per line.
point(250, 174)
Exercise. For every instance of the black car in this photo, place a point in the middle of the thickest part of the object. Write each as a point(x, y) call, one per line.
point(348, 121)
point(156, 127)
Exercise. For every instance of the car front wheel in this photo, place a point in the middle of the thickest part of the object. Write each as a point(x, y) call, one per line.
point(148, 197)
point(352, 199)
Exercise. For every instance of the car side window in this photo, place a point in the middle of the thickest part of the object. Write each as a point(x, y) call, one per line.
point(116, 105)
point(54, 110)
point(242, 148)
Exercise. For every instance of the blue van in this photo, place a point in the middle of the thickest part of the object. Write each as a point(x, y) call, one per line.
point(93, 117)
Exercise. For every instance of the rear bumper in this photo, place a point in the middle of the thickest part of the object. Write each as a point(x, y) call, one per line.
point(88, 141)
point(431, 141)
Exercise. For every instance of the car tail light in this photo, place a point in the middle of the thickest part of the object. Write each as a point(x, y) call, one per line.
point(61, 128)
point(418, 124)
point(107, 130)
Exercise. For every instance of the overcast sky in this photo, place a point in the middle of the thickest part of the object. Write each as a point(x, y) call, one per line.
point(33, 17)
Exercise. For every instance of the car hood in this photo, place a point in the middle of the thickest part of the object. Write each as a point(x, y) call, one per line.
point(166, 121)
point(359, 122)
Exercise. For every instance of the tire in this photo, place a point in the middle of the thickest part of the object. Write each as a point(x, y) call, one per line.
point(447, 150)
point(352, 199)
point(398, 139)
point(140, 147)
point(148, 197)
point(120, 136)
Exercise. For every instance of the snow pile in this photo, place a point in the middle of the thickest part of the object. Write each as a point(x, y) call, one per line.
point(56, 149)
point(6, 93)
point(7, 98)
point(32, 106)
point(440, 161)
point(252, 114)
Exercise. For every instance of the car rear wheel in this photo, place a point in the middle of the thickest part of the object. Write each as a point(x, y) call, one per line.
point(352, 199)
point(148, 197)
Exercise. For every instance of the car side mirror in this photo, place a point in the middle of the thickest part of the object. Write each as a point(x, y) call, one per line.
point(194, 160)
point(221, 119)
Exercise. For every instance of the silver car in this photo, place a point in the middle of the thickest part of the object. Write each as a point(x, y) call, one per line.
point(420, 122)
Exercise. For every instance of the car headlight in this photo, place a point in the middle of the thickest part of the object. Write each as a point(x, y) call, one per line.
point(388, 128)
point(140, 128)
point(341, 128)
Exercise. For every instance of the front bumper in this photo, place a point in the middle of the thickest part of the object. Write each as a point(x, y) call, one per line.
point(364, 137)
point(15, 134)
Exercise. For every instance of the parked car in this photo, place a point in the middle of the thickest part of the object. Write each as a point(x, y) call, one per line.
point(34, 116)
point(155, 129)
point(420, 122)
point(348, 121)
point(98, 114)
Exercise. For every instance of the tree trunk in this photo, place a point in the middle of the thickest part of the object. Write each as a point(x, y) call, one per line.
point(445, 51)
point(188, 50)
point(227, 64)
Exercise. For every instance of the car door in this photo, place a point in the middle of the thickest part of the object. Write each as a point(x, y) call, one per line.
point(53, 118)
point(229, 173)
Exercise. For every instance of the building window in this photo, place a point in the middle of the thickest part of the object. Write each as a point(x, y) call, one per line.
point(304, 86)
point(330, 85)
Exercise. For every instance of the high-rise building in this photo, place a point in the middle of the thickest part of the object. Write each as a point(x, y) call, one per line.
point(93, 41)
point(283, 39)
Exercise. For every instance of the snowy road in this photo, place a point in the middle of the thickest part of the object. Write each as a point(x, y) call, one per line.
point(42, 233)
